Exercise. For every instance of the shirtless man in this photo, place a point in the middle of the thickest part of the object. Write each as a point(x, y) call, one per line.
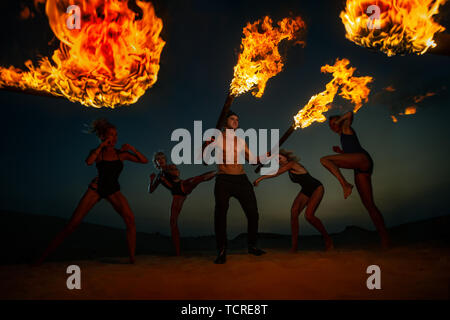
point(231, 181)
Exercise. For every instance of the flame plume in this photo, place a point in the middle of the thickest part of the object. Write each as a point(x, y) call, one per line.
point(112, 60)
point(260, 59)
point(351, 88)
point(405, 26)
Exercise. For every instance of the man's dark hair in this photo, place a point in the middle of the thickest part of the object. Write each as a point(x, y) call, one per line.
point(231, 113)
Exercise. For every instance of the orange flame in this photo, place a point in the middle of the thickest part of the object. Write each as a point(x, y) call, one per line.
point(351, 88)
point(394, 119)
point(418, 99)
point(405, 26)
point(112, 60)
point(409, 110)
point(260, 59)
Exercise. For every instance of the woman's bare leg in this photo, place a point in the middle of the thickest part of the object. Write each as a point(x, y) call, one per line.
point(177, 205)
point(311, 208)
point(190, 184)
point(363, 183)
point(120, 204)
point(345, 161)
point(297, 207)
point(89, 199)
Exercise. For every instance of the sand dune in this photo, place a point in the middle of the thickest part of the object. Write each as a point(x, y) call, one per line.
point(417, 267)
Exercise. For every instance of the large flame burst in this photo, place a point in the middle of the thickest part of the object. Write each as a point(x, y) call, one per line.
point(351, 88)
point(260, 58)
point(405, 26)
point(112, 60)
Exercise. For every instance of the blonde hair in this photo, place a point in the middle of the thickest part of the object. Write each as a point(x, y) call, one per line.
point(290, 156)
point(157, 154)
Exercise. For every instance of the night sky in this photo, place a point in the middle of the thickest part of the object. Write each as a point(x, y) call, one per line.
point(44, 146)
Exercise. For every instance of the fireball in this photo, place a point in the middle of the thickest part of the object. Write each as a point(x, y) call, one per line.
point(111, 60)
point(392, 26)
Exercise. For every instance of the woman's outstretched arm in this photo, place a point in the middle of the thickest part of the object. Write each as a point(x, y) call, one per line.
point(280, 171)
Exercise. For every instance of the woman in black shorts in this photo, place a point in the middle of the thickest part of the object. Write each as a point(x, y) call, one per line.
point(169, 177)
point(109, 163)
point(309, 196)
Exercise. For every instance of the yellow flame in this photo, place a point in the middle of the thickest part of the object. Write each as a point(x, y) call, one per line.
point(409, 110)
point(112, 60)
point(405, 26)
point(351, 88)
point(260, 58)
point(394, 119)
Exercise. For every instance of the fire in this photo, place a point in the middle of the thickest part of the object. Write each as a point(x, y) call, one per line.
point(260, 58)
point(112, 60)
point(351, 88)
point(394, 119)
point(405, 26)
point(409, 110)
point(418, 99)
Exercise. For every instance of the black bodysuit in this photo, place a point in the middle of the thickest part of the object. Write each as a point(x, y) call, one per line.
point(175, 189)
point(308, 183)
point(350, 144)
point(108, 175)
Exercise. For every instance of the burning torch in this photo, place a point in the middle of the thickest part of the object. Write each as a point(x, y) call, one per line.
point(343, 83)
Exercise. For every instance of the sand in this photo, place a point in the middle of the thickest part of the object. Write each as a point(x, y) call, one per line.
point(407, 272)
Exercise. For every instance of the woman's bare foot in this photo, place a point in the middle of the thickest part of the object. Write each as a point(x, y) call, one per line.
point(347, 190)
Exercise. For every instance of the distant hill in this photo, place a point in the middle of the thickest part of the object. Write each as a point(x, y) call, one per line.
point(25, 236)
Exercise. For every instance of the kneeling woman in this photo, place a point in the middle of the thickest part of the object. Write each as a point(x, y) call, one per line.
point(109, 162)
point(169, 177)
point(309, 196)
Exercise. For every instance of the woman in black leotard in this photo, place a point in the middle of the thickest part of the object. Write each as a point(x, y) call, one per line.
point(169, 177)
point(309, 196)
point(354, 156)
point(109, 162)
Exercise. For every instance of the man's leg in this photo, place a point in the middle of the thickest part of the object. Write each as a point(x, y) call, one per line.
point(246, 197)
point(222, 197)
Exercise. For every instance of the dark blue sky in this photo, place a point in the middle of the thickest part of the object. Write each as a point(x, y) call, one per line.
point(44, 147)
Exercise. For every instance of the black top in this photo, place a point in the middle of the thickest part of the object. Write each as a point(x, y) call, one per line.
point(302, 178)
point(175, 189)
point(108, 175)
point(350, 143)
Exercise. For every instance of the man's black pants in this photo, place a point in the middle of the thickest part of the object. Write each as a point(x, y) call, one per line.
point(240, 187)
